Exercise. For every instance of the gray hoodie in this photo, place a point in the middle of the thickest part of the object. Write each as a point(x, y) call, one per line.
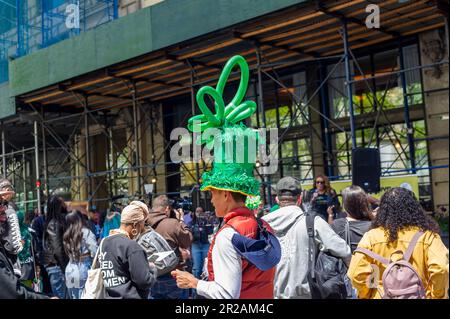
point(289, 225)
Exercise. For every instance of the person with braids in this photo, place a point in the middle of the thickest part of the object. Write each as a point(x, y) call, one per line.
point(11, 238)
point(80, 245)
point(400, 217)
point(55, 258)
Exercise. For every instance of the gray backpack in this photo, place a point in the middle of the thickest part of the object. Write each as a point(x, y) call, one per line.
point(158, 251)
point(400, 279)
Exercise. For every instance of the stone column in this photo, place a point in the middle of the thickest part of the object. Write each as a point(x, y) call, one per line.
point(79, 185)
point(132, 173)
point(159, 148)
point(98, 162)
point(433, 49)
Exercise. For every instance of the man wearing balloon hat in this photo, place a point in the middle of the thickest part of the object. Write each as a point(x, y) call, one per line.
point(243, 253)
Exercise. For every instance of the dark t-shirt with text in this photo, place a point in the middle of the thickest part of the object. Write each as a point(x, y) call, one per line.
point(125, 269)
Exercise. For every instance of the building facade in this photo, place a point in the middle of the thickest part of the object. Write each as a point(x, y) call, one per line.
point(97, 104)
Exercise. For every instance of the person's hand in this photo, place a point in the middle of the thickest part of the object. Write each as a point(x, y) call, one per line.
point(314, 196)
point(184, 279)
point(330, 211)
point(185, 254)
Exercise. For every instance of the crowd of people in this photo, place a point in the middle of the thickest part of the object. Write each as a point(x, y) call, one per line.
point(49, 255)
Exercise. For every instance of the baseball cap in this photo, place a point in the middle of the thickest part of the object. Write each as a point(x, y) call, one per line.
point(288, 184)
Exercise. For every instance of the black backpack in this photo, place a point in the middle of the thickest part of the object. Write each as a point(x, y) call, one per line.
point(326, 273)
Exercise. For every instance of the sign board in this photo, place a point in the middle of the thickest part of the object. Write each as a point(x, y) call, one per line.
point(410, 182)
point(149, 188)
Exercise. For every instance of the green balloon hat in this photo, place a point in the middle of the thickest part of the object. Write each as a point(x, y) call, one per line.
point(235, 145)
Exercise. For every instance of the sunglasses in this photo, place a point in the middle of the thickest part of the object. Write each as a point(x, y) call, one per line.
point(320, 182)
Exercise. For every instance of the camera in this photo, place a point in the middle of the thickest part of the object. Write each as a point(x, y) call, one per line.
point(184, 204)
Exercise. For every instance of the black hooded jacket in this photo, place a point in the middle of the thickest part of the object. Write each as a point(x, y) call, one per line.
point(10, 287)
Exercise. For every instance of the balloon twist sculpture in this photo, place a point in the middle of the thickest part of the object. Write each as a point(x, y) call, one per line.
point(224, 116)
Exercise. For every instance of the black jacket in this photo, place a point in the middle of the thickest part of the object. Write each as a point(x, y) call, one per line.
point(357, 230)
point(54, 253)
point(126, 271)
point(201, 229)
point(10, 287)
point(37, 225)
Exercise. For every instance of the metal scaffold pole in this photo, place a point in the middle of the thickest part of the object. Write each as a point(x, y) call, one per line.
point(261, 105)
point(109, 151)
point(87, 150)
point(36, 157)
point(410, 130)
point(328, 155)
point(24, 175)
point(136, 139)
point(114, 161)
point(348, 83)
point(44, 156)
point(197, 168)
point(4, 152)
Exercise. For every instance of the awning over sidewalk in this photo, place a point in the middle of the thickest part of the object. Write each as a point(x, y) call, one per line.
point(305, 31)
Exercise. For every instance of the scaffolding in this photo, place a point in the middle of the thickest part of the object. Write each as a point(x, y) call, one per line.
point(37, 24)
point(141, 112)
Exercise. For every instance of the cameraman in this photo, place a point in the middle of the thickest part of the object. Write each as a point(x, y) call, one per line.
point(201, 229)
point(164, 221)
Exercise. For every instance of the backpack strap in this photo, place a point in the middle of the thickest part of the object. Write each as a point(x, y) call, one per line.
point(373, 255)
point(311, 244)
point(412, 245)
point(95, 262)
point(157, 223)
point(99, 251)
point(347, 233)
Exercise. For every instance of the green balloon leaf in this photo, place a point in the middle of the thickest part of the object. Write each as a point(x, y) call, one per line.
point(234, 112)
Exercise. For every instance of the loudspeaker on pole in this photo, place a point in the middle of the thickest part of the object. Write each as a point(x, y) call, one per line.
point(366, 169)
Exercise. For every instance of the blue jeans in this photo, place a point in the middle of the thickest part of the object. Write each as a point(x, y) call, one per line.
point(76, 276)
point(166, 288)
point(57, 281)
point(199, 253)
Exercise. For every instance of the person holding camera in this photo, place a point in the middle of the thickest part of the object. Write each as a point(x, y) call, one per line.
point(164, 220)
point(202, 228)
